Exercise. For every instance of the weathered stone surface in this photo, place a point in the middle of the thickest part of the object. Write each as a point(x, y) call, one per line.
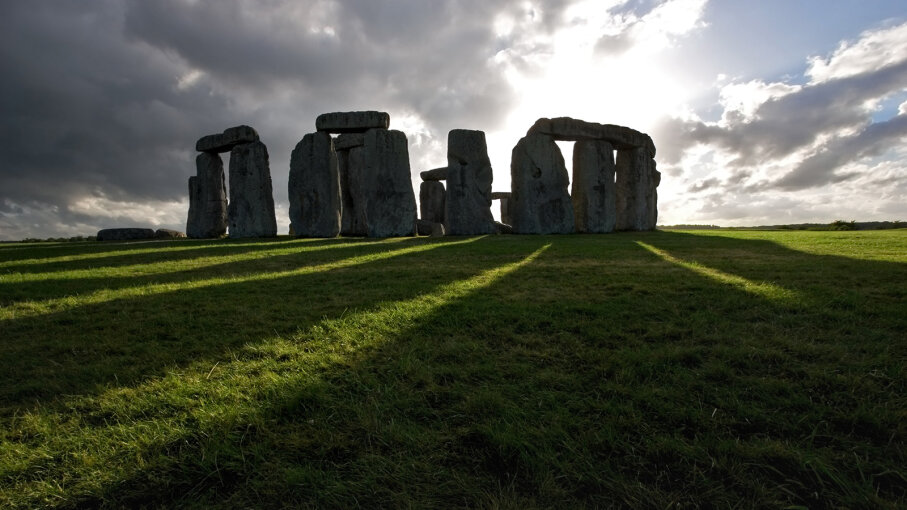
point(429, 228)
point(207, 198)
point(353, 192)
point(352, 122)
point(500, 195)
point(314, 187)
point(224, 142)
point(435, 174)
point(539, 203)
point(432, 197)
point(469, 177)
point(251, 209)
point(594, 210)
point(390, 203)
point(125, 234)
point(347, 141)
point(636, 199)
point(166, 233)
point(566, 128)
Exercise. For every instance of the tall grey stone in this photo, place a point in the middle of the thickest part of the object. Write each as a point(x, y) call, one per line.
point(469, 177)
point(251, 209)
point(224, 142)
point(431, 201)
point(635, 194)
point(353, 192)
point(390, 203)
point(539, 203)
point(207, 198)
point(314, 187)
point(352, 122)
point(594, 209)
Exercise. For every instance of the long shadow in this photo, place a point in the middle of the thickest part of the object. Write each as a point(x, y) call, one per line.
point(259, 263)
point(124, 340)
point(572, 380)
point(104, 255)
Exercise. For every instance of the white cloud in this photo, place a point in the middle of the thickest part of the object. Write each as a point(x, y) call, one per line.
point(873, 50)
point(741, 100)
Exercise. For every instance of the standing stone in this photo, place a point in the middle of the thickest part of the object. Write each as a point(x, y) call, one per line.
point(390, 208)
point(594, 209)
point(251, 210)
point(539, 201)
point(432, 199)
point(353, 190)
point(652, 197)
point(207, 198)
point(636, 181)
point(469, 177)
point(352, 122)
point(314, 187)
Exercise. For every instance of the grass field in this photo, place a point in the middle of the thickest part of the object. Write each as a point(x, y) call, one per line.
point(644, 370)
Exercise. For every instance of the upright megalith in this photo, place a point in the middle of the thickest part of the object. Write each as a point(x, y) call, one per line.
point(539, 201)
point(469, 177)
point(352, 193)
point(207, 198)
point(432, 200)
point(594, 209)
point(314, 187)
point(635, 200)
point(390, 204)
point(352, 122)
point(251, 208)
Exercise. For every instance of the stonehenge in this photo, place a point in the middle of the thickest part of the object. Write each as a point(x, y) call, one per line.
point(351, 177)
point(250, 209)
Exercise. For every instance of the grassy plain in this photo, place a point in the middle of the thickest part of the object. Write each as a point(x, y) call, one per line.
point(644, 370)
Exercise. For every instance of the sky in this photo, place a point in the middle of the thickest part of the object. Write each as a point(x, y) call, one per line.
point(764, 112)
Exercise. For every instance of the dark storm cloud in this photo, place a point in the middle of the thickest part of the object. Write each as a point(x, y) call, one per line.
point(106, 98)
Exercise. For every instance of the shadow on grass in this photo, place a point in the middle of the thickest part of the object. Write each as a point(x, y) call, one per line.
point(126, 338)
point(212, 264)
point(593, 373)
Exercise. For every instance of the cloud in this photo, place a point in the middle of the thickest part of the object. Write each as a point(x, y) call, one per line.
point(104, 100)
point(624, 27)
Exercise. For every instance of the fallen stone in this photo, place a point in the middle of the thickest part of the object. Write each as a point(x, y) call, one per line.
point(429, 228)
point(435, 174)
point(347, 141)
point(207, 198)
point(166, 233)
point(432, 197)
point(469, 177)
point(390, 203)
point(504, 197)
point(352, 122)
point(635, 197)
point(251, 209)
point(224, 142)
point(594, 210)
point(539, 203)
point(500, 195)
point(568, 129)
point(314, 187)
point(125, 234)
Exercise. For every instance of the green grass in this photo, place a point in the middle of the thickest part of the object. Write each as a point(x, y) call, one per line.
point(644, 370)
